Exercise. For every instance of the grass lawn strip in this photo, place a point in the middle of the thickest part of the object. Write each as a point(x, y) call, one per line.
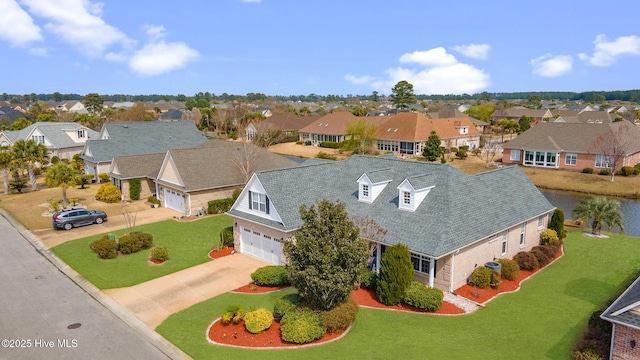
point(188, 242)
point(542, 320)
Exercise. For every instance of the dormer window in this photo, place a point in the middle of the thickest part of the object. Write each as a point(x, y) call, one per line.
point(412, 191)
point(258, 202)
point(371, 184)
point(365, 191)
point(406, 198)
point(80, 134)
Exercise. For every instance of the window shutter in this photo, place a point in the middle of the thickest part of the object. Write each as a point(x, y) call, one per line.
point(266, 200)
point(250, 201)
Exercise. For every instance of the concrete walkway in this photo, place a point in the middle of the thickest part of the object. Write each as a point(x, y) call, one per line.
point(153, 301)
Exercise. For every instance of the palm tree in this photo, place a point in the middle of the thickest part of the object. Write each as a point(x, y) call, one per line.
point(602, 211)
point(61, 175)
point(29, 152)
point(5, 165)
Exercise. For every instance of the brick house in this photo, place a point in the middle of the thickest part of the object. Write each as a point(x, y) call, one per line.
point(571, 146)
point(333, 127)
point(440, 213)
point(624, 314)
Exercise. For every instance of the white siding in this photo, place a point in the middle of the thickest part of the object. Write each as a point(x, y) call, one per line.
point(242, 203)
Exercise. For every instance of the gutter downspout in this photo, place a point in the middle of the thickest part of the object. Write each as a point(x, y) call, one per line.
point(453, 263)
point(432, 269)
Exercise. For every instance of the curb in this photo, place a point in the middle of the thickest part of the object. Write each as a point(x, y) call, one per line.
point(136, 324)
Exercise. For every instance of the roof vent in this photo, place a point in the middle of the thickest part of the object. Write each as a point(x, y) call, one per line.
point(125, 126)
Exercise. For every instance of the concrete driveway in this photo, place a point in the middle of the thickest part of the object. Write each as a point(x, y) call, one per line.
point(153, 301)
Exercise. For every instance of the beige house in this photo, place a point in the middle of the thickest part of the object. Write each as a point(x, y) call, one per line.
point(62, 139)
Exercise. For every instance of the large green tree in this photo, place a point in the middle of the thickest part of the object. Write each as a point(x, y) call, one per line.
point(362, 132)
point(432, 148)
point(396, 274)
point(402, 95)
point(326, 256)
point(6, 158)
point(600, 211)
point(61, 175)
point(481, 112)
point(28, 153)
point(93, 103)
point(524, 123)
point(507, 125)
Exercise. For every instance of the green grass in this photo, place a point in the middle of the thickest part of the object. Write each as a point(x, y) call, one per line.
point(543, 320)
point(187, 242)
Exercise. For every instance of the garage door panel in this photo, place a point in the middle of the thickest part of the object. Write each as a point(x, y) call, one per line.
point(261, 246)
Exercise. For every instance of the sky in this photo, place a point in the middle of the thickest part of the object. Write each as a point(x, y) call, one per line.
point(287, 47)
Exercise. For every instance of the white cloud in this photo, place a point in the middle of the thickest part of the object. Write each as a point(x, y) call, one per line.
point(552, 66)
point(16, 26)
point(437, 73)
point(606, 52)
point(433, 57)
point(474, 51)
point(39, 51)
point(252, 1)
point(161, 57)
point(78, 23)
point(155, 32)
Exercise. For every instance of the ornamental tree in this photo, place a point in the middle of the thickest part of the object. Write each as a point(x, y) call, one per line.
point(326, 256)
point(432, 150)
point(396, 274)
point(600, 211)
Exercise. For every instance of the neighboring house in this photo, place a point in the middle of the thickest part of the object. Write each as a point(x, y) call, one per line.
point(568, 146)
point(289, 123)
point(450, 111)
point(407, 132)
point(62, 139)
point(333, 127)
point(516, 112)
point(439, 212)
point(171, 115)
point(9, 115)
point(144, 167)
point(70, 106)
point(624, 314)
point(189, 178)
point(137, 138)
point(586, 117)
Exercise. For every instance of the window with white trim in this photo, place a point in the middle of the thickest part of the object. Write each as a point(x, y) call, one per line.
point(365, 191)
point(522, 233)
point(515, 155)
point(570, 159)
point(39, 139)
point(406, 197)
point(602, 161)
point(421, 263)
point(258, 202)
point(540, 221)
point(80, 134)
point(504, 243)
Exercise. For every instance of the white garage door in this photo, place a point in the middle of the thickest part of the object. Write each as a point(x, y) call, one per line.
point(260, 246)
point(174, 200)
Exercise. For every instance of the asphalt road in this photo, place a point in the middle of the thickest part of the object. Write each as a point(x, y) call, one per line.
point(47, 312)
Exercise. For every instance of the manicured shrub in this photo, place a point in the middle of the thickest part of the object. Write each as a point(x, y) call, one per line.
point(324, 155)
point(105, 248)
point(219, 206)
point(548, 236)
point(368, 279)
point(510, 269)
point(108, 193)
point(258, 320)
point(557, 223)
point(481, 277)
point(587, 170)
point(526, 261)
point(226, 236)
point(154, 200)
point(104, 177)
point(627, 171)
point(134, 242)
point(330, 144)
point(159, 253)
point(605, 172)
point(301, 326)
point(271, 275)
point(396, 274)
point(541, 256)
point(134, 189)
point(588, 354)
point(423, 297)
point(233, 313)
point(286, 304)
point(548, 250)
point(341, 316)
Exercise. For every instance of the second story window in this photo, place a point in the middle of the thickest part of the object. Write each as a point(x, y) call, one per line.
point(406, 197)
point(39, 139)
point(258, 202)
point(365, 191)
point(80, 134)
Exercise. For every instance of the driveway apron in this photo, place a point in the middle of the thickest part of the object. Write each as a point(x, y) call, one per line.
point(153, 301)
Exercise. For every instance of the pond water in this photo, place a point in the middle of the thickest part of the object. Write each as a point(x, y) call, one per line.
point(567, 201)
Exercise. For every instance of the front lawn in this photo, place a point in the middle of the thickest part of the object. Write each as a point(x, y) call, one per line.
point(541, 321)
point(188, 243)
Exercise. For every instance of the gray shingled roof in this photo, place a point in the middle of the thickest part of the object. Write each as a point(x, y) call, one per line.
point(211, 166)
point(625, 305)
point(138, 166)
point(54, 132)
point(568, 136)
point(135, 138)
point(456, 213)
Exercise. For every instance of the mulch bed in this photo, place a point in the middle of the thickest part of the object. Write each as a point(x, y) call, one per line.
point(258, 289)
point(157, 262)
point(367, 297)
point(237, 335)
point(218, 253)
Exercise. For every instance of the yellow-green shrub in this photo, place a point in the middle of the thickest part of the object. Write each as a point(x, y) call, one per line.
point(481, 277)
point(341, 316)
point(108, 193)
point(510, 269)
point(301, 326)
point(258, 320)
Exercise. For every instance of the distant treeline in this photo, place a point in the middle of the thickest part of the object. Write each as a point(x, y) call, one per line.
point(588, 96)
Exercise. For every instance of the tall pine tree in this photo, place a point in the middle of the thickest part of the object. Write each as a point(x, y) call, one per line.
point(432, 150)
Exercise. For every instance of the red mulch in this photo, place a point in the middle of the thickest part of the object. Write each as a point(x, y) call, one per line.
point(482, 296)
point(156, 262)
point(367, 297)
point(218, 253)
point(259, 289)
point(224, 334)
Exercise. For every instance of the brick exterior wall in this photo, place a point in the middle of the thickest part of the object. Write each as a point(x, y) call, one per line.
point(621, 346)
point(583, 160)
point(147, 188)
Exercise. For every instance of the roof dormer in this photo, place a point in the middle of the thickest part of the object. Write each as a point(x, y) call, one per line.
point(413, 190)
point(371, 184)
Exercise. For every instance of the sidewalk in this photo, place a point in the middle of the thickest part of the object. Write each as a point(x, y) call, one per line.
point(153, 301)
